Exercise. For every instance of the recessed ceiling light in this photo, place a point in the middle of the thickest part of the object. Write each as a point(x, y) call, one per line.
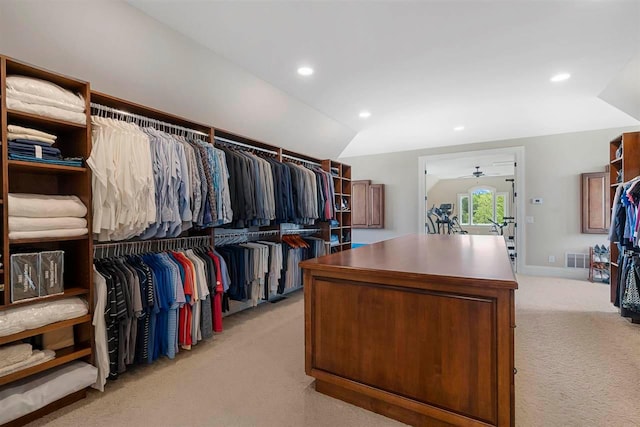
point(458, 128)
point(305, 71)
point(560, 77)
point(365, 114)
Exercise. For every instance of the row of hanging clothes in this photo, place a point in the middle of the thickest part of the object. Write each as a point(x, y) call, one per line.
point(155, 304)
point(261, 269)
point(149, 183)
point(624, 231)
point(265, 190)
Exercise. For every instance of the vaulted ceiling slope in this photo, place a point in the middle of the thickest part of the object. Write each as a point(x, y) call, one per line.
point(126, 53)
point(423, 68)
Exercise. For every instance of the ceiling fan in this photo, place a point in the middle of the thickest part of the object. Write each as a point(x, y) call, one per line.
point(478, 173)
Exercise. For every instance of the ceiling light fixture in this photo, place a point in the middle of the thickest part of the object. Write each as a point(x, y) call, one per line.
point(560, 77)
point(458, 128)
point(305, 71)
point(365, 114)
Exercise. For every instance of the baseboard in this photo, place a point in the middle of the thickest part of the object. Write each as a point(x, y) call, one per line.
point(567, 273)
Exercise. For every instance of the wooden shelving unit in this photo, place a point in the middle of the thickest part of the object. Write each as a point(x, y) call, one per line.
point(341, 174)
point(42, 178)
point(624, 161)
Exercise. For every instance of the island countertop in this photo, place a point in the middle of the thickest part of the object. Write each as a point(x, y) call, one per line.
point(480, 259)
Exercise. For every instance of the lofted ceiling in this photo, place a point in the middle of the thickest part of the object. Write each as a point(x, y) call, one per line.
point(423, 68)
point(463, 167)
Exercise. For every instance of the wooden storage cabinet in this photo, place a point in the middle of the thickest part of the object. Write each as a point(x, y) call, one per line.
point(41, 178)
point(596, 212)
point(430, 343)
point(368, 204)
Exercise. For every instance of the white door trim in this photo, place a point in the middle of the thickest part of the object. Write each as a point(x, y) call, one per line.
point(519, 153)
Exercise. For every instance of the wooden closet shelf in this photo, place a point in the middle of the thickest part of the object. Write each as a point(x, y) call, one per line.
point(42, 122)
point(47, 239)
point(616, 184)
point(618, 160)
point(63, 356)
point(44, 167)
point(47, 328)
point(69, 292)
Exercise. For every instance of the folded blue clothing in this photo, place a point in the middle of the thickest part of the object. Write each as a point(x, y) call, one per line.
point(15, 145)
point(30, 142)
point(77, 163)
point(32, 155)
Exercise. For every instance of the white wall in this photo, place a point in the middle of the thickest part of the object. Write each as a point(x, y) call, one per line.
point(125, 53)
point(553, 165)
point(447, 190)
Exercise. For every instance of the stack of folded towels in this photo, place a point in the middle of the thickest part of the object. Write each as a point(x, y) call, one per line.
point(16, 357)
point(44, 98)
point(32, 145)
point(33, 216)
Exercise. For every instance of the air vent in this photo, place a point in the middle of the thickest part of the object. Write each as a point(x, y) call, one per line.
point(577, 260)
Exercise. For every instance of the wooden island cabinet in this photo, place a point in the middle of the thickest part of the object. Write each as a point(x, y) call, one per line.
point(417, 328)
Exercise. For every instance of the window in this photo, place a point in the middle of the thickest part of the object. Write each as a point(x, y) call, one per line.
point(481, 205)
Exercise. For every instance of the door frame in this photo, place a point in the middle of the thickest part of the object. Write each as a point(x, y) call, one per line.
point(519, 154)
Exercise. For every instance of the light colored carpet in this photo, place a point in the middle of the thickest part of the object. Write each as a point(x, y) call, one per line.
point(578, 365)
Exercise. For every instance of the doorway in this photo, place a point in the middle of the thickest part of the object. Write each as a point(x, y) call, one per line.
point(475, 192)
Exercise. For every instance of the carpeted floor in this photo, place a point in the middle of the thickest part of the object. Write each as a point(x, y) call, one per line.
point(578, 365)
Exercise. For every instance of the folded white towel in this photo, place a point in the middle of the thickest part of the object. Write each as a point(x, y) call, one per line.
point(21, 223)
point(44, 88)
point(29, 131)
point(11, 354)
point(12, 136)
point(46, 111)
point(70, 232)
point(45, 206)
point(36, 358)
point(30, 98)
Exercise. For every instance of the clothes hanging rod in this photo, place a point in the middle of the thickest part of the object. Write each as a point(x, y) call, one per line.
point(309, 162)
point(105, 108)
point(301, 231)
point(151, 242)
point(240, 144)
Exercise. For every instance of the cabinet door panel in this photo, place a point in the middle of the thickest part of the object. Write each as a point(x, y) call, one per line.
point(595, 203)
point(359, 203)
point(376, 206)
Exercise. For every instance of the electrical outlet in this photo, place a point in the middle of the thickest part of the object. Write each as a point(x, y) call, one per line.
point(552, 259)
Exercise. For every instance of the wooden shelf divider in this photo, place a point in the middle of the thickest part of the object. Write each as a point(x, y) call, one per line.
point(49, 123)
point(70, 292)
point(47, 239)
point(38, 167)
point(63, 356)
point(44, 329)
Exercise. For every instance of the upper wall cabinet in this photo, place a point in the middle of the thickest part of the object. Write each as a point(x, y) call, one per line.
point(595, 203)
point(367, 204)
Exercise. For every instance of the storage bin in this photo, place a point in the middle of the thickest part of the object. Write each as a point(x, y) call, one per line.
point(25, 276)
point(51, 273)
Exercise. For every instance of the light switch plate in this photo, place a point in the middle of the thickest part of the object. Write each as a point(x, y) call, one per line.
point(529, 219)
